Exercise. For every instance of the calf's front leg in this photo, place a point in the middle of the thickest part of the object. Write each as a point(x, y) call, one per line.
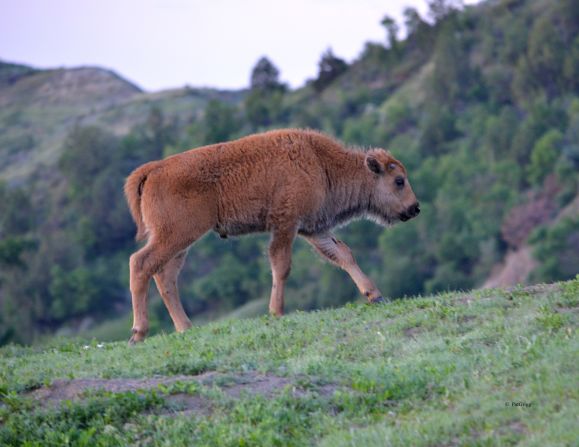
point(338, 253)
point(280, 255)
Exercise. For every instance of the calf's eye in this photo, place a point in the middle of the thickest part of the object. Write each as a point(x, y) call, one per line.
point(399, 181)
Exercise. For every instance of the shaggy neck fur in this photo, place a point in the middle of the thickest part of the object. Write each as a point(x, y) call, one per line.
point(351, 195)
point(350, 187)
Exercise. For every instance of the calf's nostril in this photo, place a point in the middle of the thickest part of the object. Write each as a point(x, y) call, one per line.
point(414, 209)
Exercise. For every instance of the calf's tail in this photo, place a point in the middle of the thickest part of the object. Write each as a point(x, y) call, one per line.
point(133, 191)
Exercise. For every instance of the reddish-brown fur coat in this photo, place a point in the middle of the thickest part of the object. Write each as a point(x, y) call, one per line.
point(286, 182)
point(256, 183)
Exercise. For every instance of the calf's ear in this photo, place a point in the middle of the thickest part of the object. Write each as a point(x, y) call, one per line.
point(374, 165)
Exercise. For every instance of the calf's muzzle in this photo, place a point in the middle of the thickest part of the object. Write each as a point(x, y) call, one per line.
point(412, 211)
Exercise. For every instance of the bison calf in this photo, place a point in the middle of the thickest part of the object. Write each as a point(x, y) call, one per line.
point(286, 182)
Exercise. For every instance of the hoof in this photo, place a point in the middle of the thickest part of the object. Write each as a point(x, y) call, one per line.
point(378, 300)
point(137, 337)
point(184, 327)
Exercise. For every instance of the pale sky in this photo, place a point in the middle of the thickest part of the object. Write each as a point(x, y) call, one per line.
point(161, 44)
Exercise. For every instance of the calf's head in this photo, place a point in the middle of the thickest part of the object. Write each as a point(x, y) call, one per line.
point(391, 196)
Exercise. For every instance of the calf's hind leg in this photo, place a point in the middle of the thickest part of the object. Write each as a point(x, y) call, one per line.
point(142, 265)
point(166, 280)
point(174, 222)
point(340, 254)
point(149, 261)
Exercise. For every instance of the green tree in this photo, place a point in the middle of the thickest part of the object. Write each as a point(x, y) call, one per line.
point(87, 152)
point(420, 37)
point(82, 290)
point(545, 153)
point(404, 260)
point(263, 104)
point(439, 10)
point(557, 250)
point(17, 243)
point(159, 132)
point(11, 251)
point(265, 76)
point(571, 66)
point(412, 20)
point(219, 122)
point(546, 53)
point(95, 175)
point(438, 129)
point(391, 31)
point(498, 134)
point(453, 78)
point(263, 110)
point(542, 116)
point(330, 67)
point(148, 141)
point(16, 213)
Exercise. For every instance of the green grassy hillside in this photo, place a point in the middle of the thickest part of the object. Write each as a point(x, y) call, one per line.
point(490, 367)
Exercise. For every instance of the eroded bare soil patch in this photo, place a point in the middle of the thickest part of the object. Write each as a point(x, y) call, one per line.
point(233, 386)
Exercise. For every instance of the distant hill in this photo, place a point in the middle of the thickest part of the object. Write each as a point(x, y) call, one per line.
point(11, 73)
point(38, 108)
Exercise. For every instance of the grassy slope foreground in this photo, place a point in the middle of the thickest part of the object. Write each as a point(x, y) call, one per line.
point(488, 367)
